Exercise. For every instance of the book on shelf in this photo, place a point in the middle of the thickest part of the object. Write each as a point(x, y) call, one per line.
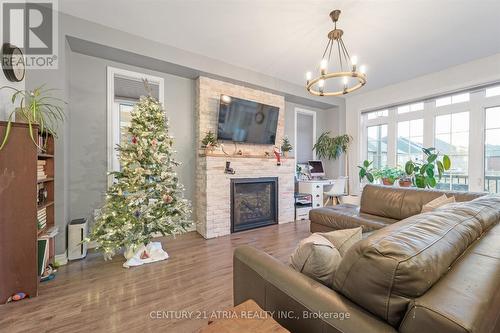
point(42, 218)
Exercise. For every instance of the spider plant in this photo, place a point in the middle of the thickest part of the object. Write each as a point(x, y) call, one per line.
point(36, 107)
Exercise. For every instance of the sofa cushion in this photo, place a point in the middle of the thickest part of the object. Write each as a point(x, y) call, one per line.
point(436, 203)
point(385, 271)
point(346, 216)
point(316, 257)
point(466, 299)
point(343, 239)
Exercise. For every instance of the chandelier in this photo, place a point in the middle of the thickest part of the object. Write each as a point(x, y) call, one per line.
point(352, 78)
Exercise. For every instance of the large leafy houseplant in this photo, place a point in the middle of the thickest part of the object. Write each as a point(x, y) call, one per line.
point(424, 173)
point(36, 107)
point(366, 171)
point(331, 148)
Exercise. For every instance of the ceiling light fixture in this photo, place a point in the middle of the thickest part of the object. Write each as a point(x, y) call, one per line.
point(347, 66)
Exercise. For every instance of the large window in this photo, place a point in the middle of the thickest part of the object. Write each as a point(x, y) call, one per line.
point(492, 150)
point(410, 140)
point(124, 89)
point(377, 145)
point(464, 125)
point(452, 139)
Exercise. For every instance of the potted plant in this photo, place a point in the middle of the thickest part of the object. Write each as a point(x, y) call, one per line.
point(404, 180)
point(423, 173)
point(209, 142)
point(331, 147)
point(388, 175)
point(366, 171)
point(286, 146)
point(36, 107)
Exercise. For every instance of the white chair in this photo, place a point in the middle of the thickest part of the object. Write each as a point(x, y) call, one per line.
point(337, 191)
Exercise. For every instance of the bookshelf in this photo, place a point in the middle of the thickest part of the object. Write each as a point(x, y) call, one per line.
point(26, 189)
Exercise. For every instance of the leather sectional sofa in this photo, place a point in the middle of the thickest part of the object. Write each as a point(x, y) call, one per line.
point(380, 206)
point(431, 272)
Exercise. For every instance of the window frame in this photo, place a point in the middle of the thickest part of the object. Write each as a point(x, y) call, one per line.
point(476, 106)
point(113, 116)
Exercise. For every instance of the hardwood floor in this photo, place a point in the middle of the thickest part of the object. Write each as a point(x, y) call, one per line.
point(92, 295)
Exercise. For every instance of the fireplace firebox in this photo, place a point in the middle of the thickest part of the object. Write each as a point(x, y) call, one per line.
point(254, 203)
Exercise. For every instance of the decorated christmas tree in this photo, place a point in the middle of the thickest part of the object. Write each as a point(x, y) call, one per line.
point(146, 197)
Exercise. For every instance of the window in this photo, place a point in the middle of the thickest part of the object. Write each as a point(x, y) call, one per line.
point(492, 150)
point(377, 145)
point(411, 108)
point(452, 138)
point(377, 114)
point(493, 91)
point(454, 99)
point(410, 139)
point(124, 89)
point(124, 108)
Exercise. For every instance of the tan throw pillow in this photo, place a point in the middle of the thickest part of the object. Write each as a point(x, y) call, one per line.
point(343, 239)
point(317, 258)
point(436, 203)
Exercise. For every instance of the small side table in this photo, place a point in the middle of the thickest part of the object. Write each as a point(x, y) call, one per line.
point(248, 318)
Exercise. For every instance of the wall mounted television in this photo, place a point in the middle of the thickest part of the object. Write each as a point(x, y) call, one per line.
point(247, 121)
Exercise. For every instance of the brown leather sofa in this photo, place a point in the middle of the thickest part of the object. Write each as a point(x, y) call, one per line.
point(380, 206)
point(432, 272)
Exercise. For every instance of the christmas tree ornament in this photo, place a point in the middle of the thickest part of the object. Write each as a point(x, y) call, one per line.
point(146, 198)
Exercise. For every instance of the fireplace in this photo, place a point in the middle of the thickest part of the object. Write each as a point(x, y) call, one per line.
point(254, 203)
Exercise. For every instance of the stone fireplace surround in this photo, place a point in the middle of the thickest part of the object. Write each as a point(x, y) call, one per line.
point(213, 186)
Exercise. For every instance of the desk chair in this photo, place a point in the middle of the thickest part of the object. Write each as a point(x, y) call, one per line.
point(337, 191)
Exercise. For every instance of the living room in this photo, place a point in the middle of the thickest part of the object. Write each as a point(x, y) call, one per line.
point(255, 166)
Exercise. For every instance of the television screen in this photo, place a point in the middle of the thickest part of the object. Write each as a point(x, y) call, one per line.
point(246, 121)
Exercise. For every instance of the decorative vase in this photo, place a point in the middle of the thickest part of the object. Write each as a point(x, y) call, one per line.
point(285, 154)
point(387, 181)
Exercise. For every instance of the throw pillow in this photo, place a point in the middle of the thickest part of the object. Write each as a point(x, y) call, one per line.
point(436, 203)
point(316, 257)
point(343, 239)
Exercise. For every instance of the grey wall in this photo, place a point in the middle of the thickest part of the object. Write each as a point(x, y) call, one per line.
point(88, 138)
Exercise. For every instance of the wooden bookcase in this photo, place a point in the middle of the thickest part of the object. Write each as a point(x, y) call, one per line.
point(19, 232)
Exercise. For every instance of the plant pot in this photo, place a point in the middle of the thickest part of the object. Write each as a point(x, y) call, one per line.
point(285, 154)
point(405, 182)
point(387, 181)
point(19, 117)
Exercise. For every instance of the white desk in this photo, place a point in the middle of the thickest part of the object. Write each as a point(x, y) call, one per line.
point(315, 187)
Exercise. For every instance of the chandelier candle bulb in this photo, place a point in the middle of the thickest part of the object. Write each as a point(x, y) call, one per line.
point(308, 76)
point(354, 60)
point(362, 69)
point(323, 66)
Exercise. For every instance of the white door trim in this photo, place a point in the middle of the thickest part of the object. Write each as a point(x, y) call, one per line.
point(309, 113)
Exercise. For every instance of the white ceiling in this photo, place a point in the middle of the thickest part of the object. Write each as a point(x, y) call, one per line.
point(397, 40)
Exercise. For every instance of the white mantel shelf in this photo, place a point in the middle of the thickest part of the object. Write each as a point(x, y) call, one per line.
point(246, 156)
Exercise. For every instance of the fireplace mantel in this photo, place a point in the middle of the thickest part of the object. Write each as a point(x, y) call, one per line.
point(213, 186)
point(213, 204)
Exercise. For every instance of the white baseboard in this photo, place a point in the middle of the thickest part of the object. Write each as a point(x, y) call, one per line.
point(62, 259)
